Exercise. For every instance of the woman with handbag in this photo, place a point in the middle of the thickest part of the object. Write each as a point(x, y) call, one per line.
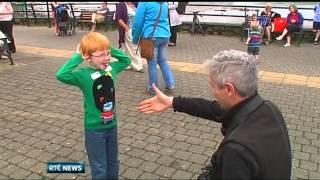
point(152, 31)
point(125, 12)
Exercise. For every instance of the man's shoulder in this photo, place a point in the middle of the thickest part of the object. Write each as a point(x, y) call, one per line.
point(269, 103)
point(234, 146)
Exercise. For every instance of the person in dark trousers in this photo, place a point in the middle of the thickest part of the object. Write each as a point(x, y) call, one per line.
point(6, 23)
point(256, 143)
point(175, 21)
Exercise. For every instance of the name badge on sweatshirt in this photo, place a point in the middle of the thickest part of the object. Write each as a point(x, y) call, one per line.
point(95, 75)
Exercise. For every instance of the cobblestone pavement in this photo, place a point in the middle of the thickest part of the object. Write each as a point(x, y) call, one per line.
point(41, 118)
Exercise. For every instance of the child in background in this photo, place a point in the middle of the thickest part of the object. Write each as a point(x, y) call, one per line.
point(97, 82)
point(316, 23)
point(254, 20)
point(254, 38)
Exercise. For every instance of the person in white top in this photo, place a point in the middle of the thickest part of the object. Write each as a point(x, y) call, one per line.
point(175, 21)
point(6, 23)
point(125, 13)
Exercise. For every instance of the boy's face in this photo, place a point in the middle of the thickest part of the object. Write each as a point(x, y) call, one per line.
point(100, 59)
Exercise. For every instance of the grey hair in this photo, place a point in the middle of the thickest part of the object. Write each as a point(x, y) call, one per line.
point(237, 67)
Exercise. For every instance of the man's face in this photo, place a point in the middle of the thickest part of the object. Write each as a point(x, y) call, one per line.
point(100, 59)
point(220, 93)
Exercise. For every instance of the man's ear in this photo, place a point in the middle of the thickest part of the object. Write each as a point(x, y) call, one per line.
point(230, 88)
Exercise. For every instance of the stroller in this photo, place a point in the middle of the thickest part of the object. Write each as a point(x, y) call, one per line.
point(64, 20)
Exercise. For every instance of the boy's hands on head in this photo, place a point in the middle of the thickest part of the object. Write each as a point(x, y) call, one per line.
point(78, 51)
point(78, 48)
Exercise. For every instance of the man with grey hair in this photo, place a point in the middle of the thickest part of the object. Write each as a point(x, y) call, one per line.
point(256, 143)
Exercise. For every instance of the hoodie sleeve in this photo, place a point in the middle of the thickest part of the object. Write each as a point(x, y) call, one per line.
point(68, 73)
point(123, 60)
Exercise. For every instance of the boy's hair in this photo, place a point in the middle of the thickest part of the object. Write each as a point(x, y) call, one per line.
point(93, 42)
point(254, 15)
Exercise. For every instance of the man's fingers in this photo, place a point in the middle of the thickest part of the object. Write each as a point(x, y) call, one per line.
point(141, 107)
point(147, 110)
point(144, 102)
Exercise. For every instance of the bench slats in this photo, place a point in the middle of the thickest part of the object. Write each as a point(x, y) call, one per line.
point(86, 17)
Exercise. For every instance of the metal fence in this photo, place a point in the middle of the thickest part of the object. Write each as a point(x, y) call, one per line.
point(243, 9)
point(28, 12)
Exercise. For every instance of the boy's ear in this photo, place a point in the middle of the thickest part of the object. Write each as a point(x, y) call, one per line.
point(87, 58)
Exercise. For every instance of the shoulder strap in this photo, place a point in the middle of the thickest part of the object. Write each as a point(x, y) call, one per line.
point(158, 18)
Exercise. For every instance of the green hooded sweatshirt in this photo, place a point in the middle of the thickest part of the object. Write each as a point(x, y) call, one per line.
point(97, 87)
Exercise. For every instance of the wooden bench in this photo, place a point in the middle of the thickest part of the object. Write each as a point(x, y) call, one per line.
point(85, 18)
point(109, 20)
point(300, 35)
point(297, 36)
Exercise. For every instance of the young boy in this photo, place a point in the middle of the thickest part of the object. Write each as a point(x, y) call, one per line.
point(97, 82)
point(254, 38)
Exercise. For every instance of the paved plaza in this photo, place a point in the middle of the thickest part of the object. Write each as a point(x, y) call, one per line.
point(41, 118)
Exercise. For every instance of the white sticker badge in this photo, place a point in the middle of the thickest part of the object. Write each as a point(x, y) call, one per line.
point(95, 75)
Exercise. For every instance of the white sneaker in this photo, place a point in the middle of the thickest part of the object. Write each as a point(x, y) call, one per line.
point(4, 57)
point(286, 45)
point(279, 38)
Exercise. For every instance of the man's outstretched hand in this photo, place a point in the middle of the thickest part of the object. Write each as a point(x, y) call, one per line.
point(160, 102)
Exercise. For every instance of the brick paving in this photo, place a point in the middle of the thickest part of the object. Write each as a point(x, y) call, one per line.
point(41, 118)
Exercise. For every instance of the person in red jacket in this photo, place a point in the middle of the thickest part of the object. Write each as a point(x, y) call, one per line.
point(294, 24)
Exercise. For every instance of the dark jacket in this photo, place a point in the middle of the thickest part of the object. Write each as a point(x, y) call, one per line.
point(256, 143)
point(121, 13)
point(271, 16)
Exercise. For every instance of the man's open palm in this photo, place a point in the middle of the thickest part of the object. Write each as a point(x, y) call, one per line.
point(160, 102)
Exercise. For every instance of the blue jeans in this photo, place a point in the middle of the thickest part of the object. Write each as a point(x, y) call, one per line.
point(102, 150)
point(160, 57)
